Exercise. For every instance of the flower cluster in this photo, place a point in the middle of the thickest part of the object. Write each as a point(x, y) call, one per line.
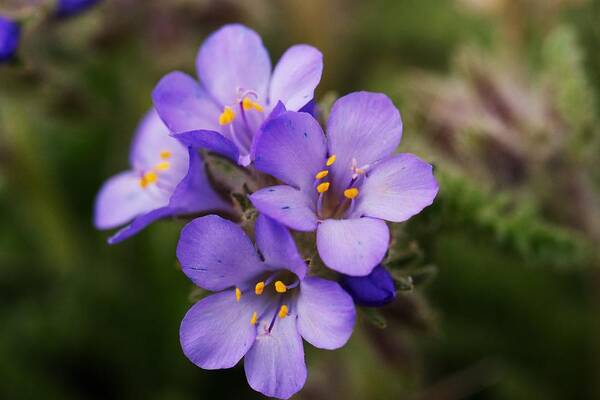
point(343, 183)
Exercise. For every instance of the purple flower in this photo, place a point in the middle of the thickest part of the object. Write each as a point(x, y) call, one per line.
point(237, 91)
point(265, 304)
point(166, 179)
point(373, 290)
point(65, 8)
point(346, 185)
point(10, 34)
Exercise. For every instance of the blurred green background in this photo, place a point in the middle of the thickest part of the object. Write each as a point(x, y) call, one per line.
point(501, 95)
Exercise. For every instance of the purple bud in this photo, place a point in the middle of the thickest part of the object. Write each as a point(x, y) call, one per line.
point(10, 34)
point(65, 8)
point(373, 290)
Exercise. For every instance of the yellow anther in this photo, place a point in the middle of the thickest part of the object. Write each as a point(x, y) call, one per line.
point(227, 116)
point(238, 294)
point(321, 174)
point(331, 160)
point(165, 154)
point(323, 187)
point(351, 193)
point(148, 178)
point(280, 287)
point(258, 289)
point(283, 311)
point(254, 318)
point(162, 166)
point(248, 104)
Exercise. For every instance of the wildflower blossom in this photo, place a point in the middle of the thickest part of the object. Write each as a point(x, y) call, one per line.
point(65, 8)
point(346, 185)
point(373, 290)
point(165, 180)
point(236, 91)
point(264, 306)
point(10, 35)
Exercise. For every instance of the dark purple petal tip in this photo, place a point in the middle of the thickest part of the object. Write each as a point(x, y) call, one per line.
point(373, 290)
point(66, 8)
point(10, 35)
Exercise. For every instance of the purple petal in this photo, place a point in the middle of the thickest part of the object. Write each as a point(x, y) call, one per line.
point(152, 138)
point(373, 290)
point(121, 199)
point(194, 194)
point(363, 126)
point(311, 108)
point(140, 223)
point(216, 332)
point(292, 148)
point(352, 246)
point(183, 105)
point(67, 8)
point(231, 59)
point(276, 112)
point(326, 313)
point(277, 246)
point(296, 76)
point(209, 140)
point(275, 364)
point(216, 254)
point(397, 188)
point(287, 205)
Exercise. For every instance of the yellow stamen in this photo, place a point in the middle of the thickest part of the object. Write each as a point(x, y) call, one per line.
point(258, 289)
point(148, 178)
point(165, 154)
point(248, 104)
point(283, 311)
point(323, 187)
point(254, 318)
point(238, 294)
point(351, 193)
point(227, 116)
point(162, 166)
point(331, 160)
point(321, 174)
point(280, 287)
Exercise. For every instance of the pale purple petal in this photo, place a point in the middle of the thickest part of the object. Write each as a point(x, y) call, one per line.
point(183, 105)
point(216, 332)
point(216, 254)
point(292, 148)
point(121, 199)
point(277, 246)
point(352, 246)
point(231, 60)
point(210, 140)
point(362, 126)
point(296, 76)
point(326, 313)
point(151, 138)
point(397, 188)
point(287, 205)
point(141, 222)
point(275, 364)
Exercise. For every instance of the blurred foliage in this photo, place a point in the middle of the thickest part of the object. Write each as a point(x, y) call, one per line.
point(499, 276)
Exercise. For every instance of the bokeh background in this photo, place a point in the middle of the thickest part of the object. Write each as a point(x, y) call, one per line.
point(501, 95)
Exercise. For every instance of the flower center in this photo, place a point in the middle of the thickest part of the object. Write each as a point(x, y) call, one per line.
point(327, 205)
point(278, 291)
point(150, 177)
point(241, 131)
